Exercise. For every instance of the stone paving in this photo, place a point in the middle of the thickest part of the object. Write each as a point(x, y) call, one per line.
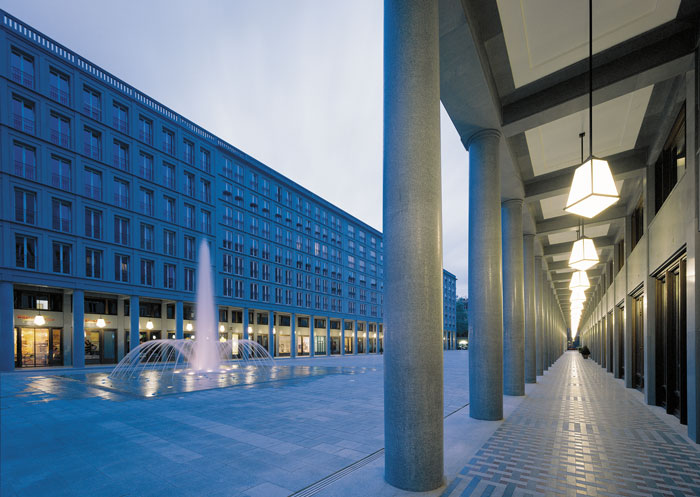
point(62, 437)
point(580, 432)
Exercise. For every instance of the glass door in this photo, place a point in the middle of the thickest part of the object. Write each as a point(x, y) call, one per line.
point(56, 357)
point(109, 346)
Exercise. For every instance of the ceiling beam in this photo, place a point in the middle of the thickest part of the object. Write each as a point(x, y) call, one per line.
point(625, 165)
point(570, 222)
point(643, 60)
point(565, 248)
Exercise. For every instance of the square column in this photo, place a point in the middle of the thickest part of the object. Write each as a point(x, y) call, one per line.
point(312, 340)
point(179, 313)
point(293, 336)
point(342, 337)
point(134, 307)
point(246, 323)
point(354, 337)
point(7, 327)
point(328, 336)
point(78, 329)
point(271, 333)
point(366, 337)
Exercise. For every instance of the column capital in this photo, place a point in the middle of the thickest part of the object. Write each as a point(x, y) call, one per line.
point(482, 134)
point(515, 202)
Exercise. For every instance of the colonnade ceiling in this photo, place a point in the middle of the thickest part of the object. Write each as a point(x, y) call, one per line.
point(522, 67)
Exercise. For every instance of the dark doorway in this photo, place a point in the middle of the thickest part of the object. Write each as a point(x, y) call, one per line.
point(638, 342)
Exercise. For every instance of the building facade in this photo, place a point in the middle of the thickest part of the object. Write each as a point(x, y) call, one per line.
point(106, 196)
point(449, 318)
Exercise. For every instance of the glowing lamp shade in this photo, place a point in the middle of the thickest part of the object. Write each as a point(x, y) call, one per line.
point(39, 320)
point(188, 327)
point(583, 255)
point(101, 323)
point(578, 295)
point(579, 280)
point(576, 305)
point(222, 328)
point(149, 325)
point(593, 189)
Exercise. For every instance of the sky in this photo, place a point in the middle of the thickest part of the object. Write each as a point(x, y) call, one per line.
point(295, 84)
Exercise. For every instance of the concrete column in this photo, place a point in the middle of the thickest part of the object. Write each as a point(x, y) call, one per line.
point(312, 340)
point(485, 278)
point(366, 337)
point(413, 393)
point(545, 319)
point(293, 335)
point(134, 307)
point(328, 335)
point(513, 298)
point(530, 322)
point(179, 314)
point(354, 337)
point(78, 329)
point(246, 323)
point(342, 337)
point(539, 319)
point(271, 333)
point(7, 327)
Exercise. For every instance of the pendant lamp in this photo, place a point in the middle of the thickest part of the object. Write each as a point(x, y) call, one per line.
point(39, 320)
point(578, 295)
point(577, 305)
point(101, 322)
point(579, 280)
point(584, 254)
point(593, 189)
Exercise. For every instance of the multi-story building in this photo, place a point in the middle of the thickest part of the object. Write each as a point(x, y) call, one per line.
point(106, 196)
point(449, 309)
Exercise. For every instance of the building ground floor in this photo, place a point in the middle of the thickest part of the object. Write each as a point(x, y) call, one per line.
point(47, 327)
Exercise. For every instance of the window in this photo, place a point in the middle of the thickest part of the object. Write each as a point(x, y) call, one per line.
point(254, 291)
point(121, 155)
point(121, 230)
point(228, 287)
point(93, 263)
point(206, 221)
point(637, 224)
point(169, 242)
point(93, 223)
point(60, 173)
point(59, 130)
point(120, 117)
point(188, 152)
point(145, 130)
point(168, 141)
point(25, 206)
point(121, 268)
point(169, 276)
point(169, 209)
point(92, 104)
point(25, 252)
point(23, 117)
point(189, 279)
point(61, 215)
point(189, 248)
point(670, 165)
point(228, 167)
point(169, 175)
point(206, 191)
point(25, 160)
point(238, 267)
point(93, 184)
point(189, 216)
point(227, 263)
point(146, 201)
point(239, 292)
point(92, 144)
point(61, 258)
point(147, 272)
point(227, 242)
point(121, 193)
point(239, 246)
point(206, 160)
point(146, 236)
point(59, 87)
point(189, 184)
point(146, 166)
point(238, 173)
point(22, 68)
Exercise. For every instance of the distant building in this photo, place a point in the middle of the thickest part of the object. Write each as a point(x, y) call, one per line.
point(449, 298)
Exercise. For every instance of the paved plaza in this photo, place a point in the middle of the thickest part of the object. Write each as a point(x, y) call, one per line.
point(577, 432)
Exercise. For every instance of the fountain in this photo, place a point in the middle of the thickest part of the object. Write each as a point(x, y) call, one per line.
point(206, 355)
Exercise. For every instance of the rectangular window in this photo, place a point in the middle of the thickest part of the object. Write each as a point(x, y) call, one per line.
point(25, 252)
point(145, 130)
point(121, 268)
point(59, 130)
point(228, 167)
point(92, 103)
point(25, 206)
point(227, 263)
point(169, 242)
point(146, 166)
point(61, 215)
point(146, 236)
point(239, 246)
point(206, 191)
point(61, 258)
point(120, 156)
point(239, 292)
point(188, 152)
point(169, 276)
point(206, 161)
point(25, 160)
point(189, 248)
point(93, 263)
point(121, 193)
point(227, 242)
point(23, 117)
point(93, 184)
point(228, 287)
point(60, 173)
point(169, 175)
point(168, 141)
point(22, 68)
point(93, 224)
point(146, 201)
point(120, 117)
point(189, 279)
point(189, 184)
point(121, 230)
point(92, 144)
point(147, 272)
point(670, 164)
point(59, 87)
point(206, 221)
point(189, 216)
point(169, 209)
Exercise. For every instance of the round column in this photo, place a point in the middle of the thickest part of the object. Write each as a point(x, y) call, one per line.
point(413, 397)
point(513, 298)
point(539, 316)
point(530, 330)
point(485, 278)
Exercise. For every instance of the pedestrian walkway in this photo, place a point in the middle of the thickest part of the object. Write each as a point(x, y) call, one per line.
point(580, 432)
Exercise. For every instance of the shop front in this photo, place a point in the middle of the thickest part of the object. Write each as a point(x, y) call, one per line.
point(39, 329)
point(38, 347)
